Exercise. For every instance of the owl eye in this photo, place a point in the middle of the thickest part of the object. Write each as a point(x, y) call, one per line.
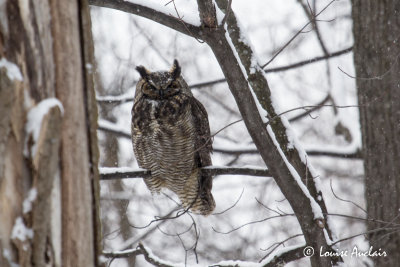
point(174, 85)
point(149, 87)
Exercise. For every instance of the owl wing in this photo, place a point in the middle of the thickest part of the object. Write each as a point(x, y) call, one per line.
point(203, 140)
point(203, 150)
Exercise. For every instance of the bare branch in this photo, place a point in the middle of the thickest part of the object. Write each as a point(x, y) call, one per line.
point(310, 14)
point(253, 222)
point(308, 111)
point(206, 84)
point(124, 99)
point(234, 204)
point(228, 10)
point(309, 61)
point(172, 22)
point(297, 34)
point(114, 131)
point(353, 155)
point(345, 200)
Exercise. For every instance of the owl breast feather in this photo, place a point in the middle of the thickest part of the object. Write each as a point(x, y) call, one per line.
point(163, 134)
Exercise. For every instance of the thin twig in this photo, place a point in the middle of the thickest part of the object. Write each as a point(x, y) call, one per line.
point(294, 37)
point(379, 77)
point(309, 61)
point(277, 245)
point(345, 200)
point(252, 222)
point(234, 204)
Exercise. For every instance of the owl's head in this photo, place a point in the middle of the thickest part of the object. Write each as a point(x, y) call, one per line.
point(160, 84)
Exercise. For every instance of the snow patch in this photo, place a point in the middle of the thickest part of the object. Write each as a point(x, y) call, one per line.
point(8, 257)
point(219, 13)
point(20, 231)
point(13, 72)
point(237, 263)
point(34, 121)
point(27, 204)
point(327, 238)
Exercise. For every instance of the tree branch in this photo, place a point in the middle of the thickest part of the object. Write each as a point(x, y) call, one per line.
point(310, 14)
point(149, 13)
point(353, 155)
point(122, 254)
point(140, 250)
point(287, 165)
point(123, 173)
point(240, 151)
point(280, 259)
point(309, 61)
point(300, 31)
point(124, 99)
point(286, 257)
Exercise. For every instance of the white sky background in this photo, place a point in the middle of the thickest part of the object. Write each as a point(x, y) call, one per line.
point(123, 41)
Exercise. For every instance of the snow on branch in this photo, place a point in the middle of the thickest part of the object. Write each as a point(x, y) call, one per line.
point(107, 173)
point(140, 250)
point(282, 256)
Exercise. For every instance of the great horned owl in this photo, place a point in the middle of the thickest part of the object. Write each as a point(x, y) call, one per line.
point(171, 137)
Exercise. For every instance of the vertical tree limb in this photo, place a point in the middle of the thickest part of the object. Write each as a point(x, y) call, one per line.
point(76, 184)
point(88, 68)
point(240, 87)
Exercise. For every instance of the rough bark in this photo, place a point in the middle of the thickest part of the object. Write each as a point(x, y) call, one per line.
point(43, 42)
point(376, 32)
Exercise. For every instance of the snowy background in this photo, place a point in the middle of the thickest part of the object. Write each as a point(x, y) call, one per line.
point(123, 41)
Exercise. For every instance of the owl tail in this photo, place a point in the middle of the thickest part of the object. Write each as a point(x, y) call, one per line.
point(202, 201)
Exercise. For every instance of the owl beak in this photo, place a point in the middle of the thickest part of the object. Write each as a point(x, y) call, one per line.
point(161, 93)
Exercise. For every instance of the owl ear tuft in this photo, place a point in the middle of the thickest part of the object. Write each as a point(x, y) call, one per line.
point(143, 72)
point(176, 70)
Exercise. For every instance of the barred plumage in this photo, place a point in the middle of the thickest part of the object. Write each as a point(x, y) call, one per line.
point(171, 138)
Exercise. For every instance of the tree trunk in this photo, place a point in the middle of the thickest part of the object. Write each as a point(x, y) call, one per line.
point(48, 167)
point(376, 55)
